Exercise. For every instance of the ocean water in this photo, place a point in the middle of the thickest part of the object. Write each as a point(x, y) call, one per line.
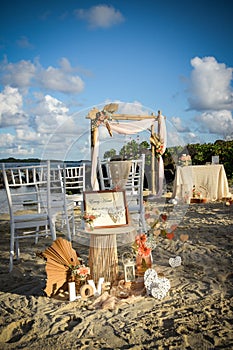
point(3, 202)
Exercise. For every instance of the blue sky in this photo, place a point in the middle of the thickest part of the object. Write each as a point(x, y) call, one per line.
point(58, 59)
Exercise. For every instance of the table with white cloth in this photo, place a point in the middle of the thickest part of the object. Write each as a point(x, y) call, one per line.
point(211, 178)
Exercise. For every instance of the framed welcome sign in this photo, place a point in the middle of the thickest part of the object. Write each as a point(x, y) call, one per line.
point(108, 208)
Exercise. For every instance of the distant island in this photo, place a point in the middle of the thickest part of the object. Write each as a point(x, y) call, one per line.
point(37, 160)
point(16, 160)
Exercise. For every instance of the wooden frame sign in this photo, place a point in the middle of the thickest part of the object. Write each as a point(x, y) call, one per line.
point(108, 206)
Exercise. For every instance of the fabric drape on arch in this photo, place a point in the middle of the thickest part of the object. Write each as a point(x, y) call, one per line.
point(128, 128)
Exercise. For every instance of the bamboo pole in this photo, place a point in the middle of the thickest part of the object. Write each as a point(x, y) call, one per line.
point(152, 163)
point(126, 117)
point(157, 163)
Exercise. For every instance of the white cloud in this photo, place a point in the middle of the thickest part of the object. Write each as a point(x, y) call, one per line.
point(11, 147)
point(6, 140)
point(49, 104)
point(18, 74)
point(178, 123)
point(11, 112)
point(57, 80)
point(26, 135)
point(191, 137)
point(132, 108)
point(25, 75)
point(31, 117)
point(216, 122)
point(100, 16)
point(210, 85)
point(49, 114)
point(21, 151)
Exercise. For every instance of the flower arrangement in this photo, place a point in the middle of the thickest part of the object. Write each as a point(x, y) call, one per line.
point(140, 246)
point(196, 193)
point(158, 144)
point(159, 149)
point(102, 118)
point(79, 271)
point(89, 219)
point(185, 159)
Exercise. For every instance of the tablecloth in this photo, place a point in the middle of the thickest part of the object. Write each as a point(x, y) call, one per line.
point(211, 180)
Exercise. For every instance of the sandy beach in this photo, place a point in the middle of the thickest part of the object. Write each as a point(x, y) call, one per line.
point(196, 313)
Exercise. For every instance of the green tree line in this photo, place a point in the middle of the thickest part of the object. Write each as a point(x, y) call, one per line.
point(200, 153)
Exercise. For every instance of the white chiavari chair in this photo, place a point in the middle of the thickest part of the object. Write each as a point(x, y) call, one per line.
point(28, 185)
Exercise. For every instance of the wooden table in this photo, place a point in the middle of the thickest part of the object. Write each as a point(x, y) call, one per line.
point(209, 178)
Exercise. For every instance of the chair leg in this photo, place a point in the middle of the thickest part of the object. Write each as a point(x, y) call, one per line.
point(72, 220)
point(37, 234)
point(143, 222)
point(17, 249)
point(68, 228)
point(11, 261)
point(12, 247)
point(53, 229)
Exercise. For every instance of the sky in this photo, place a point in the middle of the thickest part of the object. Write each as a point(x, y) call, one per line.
point(59, 59)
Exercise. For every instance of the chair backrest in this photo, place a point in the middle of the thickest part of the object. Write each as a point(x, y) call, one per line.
point(56, 181)
point(134, 184)
point(27, 187)
point(129, 174)
point(75, 179)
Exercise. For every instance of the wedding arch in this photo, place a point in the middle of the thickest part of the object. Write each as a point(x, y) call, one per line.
point(129, 125)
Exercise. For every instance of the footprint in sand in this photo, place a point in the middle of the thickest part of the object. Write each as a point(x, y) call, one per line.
point(65, 323)
point(15, 331)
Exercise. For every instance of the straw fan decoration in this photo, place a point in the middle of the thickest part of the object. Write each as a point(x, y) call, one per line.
point(60, 258)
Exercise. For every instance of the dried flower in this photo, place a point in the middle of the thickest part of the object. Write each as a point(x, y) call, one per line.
point(185, 159)
point(140, 245)
point(80, 271)
point(196, 193)
point(158, 145)
point(89, 219)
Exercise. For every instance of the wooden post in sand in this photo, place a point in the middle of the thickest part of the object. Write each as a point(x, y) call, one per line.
point(152, 164)
point(157, 160)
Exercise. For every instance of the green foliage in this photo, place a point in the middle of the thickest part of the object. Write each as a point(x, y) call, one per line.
point(109, 154)
point(200, 153)
point(133, 150)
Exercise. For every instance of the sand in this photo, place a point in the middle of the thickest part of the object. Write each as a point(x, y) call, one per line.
point(195, 314)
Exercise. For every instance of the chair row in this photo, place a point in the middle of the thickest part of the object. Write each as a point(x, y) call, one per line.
point(48, 192)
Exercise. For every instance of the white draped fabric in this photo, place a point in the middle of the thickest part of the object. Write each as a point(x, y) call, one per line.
point(133, 127)
point(95, 153)
point(163, 138)
point(129, 128)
